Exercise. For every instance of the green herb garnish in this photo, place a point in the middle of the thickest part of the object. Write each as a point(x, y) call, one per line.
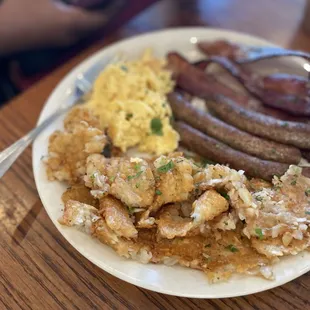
point(137, 167)
point(112, 178)
point(294, 182)
point(208, 245)
point(307, 212)
point(131, 210)
point(307, 192)
point(259, 233)
point(165, 168)
point(129, 116)
point(158, 192)
point(137, 185)
point(124, 68)
point(259, 198)
point(223, 194)
point(232, 248)
point(130, 177)
point(157, 127)
point(284, 124)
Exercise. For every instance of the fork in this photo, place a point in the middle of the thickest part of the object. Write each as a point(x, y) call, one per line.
point(83, 85)
point(253, 54)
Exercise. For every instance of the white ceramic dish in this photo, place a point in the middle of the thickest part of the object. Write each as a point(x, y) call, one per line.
point(170, 280)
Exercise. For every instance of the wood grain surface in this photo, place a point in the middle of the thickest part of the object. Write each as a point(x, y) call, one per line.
point(38, 268)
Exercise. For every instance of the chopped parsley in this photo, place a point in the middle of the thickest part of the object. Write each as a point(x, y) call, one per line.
point(137, 185)
point(137, 167)
point(284, 124)
point(259, 198)
point(208, 245)
point(259, 233)
point(130, 177)
point(131, 210)
point(158, 192)
point(307, 212)
point(165, 168)
point(294, 182)
point(157, 127)
point(92, 177)
point(223, 194)
point(232, 248)
point(129, 116)
point(307, 192)
point(112, 178)
point(124, 68)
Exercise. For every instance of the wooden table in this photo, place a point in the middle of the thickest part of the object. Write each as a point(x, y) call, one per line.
point(39, 269)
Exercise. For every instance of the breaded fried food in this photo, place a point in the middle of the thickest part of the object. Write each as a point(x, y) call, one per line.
point(117, 217)
point(80, 193)
point(80, 215)
point(78, 114)
point(284, 209)
point(68, 150)
point(174, 183)
point(208, 206)
point(129, 179)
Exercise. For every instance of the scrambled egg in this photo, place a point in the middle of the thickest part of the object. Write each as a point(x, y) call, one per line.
point(130, 100)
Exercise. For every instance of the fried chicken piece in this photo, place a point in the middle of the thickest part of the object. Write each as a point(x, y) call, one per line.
point(117, 217)
point(88, 218)
point(78, 114)
point(80, 215)
point(68, 150)
point(209, 205)
point(171, 224)
point(174, 183)
point(130, 180)
point(123, 247)
point(79, 193)
point(233, 183)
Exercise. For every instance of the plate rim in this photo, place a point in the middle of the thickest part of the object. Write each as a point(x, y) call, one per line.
point(110, 270)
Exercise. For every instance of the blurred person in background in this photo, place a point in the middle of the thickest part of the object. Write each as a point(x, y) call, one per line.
point(29, 24)
point(36, 36)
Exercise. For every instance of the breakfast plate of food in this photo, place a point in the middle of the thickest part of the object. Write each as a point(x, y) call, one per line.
point(183, 171)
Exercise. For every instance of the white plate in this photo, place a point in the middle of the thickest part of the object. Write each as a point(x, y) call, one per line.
point(170, 280)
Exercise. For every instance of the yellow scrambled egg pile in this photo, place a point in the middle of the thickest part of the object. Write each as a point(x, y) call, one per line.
point(130, 99)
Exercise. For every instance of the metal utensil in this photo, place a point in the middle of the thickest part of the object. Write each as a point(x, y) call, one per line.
point(83, 85)
point(252, 54)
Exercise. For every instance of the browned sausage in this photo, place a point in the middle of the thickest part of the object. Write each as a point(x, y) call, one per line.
point(232, 136)
point(217, 151)
point(293, 133)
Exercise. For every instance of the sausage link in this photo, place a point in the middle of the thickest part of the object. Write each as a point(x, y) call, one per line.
point(232, 136)
point(217, 151)
point(293, 133)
